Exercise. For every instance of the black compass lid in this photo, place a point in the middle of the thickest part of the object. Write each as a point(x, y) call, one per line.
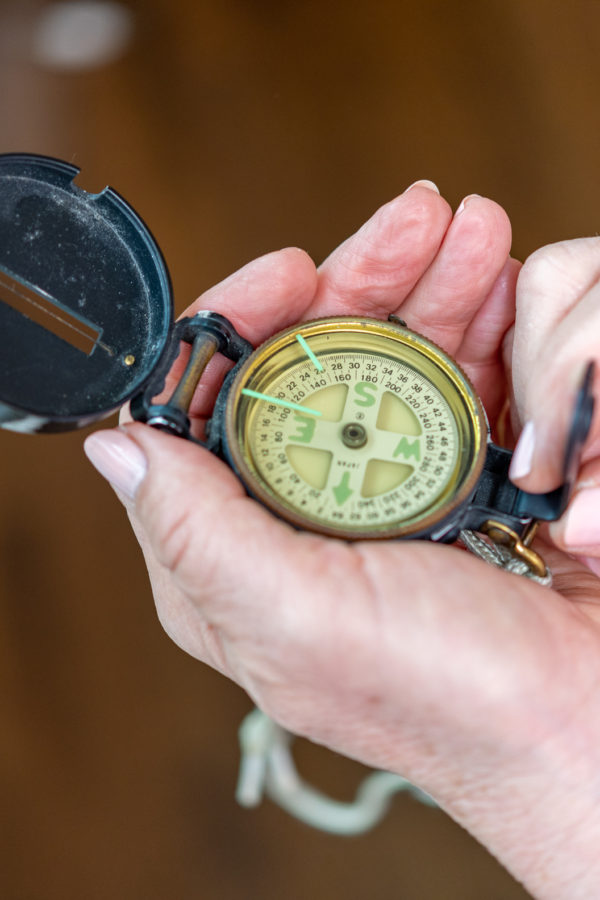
point(85, 298)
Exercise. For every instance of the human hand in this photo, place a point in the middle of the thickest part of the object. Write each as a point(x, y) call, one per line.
point(415, 657)
point(555, 338)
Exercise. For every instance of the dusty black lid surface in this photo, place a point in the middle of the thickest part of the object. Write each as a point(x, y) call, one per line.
point(85, 298)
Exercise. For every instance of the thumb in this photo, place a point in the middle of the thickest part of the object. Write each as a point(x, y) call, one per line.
point(192, 512)
point(556, 336)
point(233, 585)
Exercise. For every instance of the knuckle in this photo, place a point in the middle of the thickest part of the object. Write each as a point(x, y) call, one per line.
point(566, 265)
point(539, 267)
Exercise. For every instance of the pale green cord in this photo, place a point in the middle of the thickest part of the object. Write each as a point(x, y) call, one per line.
point(267, 767)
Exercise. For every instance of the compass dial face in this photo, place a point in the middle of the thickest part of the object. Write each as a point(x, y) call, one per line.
point(356, 428)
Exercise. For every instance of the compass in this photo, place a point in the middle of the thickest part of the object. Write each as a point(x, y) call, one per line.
point(362, 429)
point(355, 428)
point(349, 426)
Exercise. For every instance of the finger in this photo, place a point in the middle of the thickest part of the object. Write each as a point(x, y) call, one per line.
point(470, 260)
point(484, 337)
point(266, 295)
point(553, 280)
point(578, 530)
point(481, 352)
point(556, 336)
point(373, 271)
point(593, 564)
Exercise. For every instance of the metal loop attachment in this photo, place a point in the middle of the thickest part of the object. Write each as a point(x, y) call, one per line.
point(507, 550)
point(503, 536)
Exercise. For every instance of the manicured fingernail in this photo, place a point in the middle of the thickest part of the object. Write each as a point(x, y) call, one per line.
point(464, 202)
point(425, 183)
point(582, 525)
point(593, 564)
point(118, 459)
point(523, 456)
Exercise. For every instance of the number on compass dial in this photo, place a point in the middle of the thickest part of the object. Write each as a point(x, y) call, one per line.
point(353, 428)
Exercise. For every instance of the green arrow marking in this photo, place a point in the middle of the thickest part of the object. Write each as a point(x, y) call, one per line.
point(309, 353)
point(280, 401)
point(343, 491)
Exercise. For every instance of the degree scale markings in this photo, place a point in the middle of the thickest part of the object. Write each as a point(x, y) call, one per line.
point(340, 498)
point(280, 401)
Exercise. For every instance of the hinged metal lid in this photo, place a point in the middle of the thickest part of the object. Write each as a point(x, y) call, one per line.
point(85, 298)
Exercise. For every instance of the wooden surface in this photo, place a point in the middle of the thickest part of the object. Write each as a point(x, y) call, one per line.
point(236, 128)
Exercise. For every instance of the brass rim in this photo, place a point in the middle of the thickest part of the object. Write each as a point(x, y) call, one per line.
point(452, 377)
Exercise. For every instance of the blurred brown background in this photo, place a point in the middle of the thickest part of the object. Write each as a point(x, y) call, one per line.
point(236, 127)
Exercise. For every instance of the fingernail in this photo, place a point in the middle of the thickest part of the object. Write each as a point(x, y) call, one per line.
point(593, 564)
point(582, 525)
point(464, 202)
point(522, 458)
point(118, 459)
point(425, 183)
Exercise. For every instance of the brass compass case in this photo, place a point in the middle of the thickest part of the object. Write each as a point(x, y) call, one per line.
point(356, 428)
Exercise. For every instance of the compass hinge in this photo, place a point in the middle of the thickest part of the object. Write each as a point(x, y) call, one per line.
point(208, 333)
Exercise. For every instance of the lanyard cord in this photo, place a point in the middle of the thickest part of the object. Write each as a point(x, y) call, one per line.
point(267, 767)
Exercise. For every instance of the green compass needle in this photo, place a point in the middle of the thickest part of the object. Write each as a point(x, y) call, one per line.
point(309, 353)
point(280, 401)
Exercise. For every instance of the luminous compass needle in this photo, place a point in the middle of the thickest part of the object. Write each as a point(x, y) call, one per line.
point(280, 401)
point(309, 353)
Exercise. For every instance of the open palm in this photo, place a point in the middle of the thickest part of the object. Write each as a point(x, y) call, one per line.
point(478, 685)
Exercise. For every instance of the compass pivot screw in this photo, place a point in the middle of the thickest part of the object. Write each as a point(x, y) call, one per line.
point(354, 435)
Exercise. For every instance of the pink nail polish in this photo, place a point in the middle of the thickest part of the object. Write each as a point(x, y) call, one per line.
point(593, 564)
point(118, 459)
point(523, 456)
point(582, 526)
